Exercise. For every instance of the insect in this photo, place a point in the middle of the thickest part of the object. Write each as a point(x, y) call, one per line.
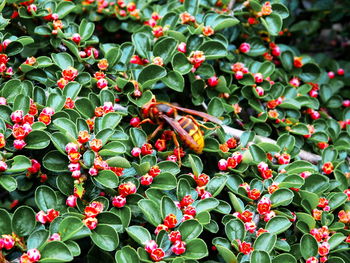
point(186, 127)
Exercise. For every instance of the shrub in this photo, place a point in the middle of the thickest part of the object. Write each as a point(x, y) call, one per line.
point(91, 106)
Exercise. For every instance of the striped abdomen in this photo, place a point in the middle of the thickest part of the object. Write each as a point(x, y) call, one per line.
point(193, 132)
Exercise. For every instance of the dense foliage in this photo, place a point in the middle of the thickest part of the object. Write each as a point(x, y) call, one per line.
point(82, 178)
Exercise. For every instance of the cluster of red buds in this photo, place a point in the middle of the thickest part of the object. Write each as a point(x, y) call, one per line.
point(169, 222)
point(145, 149)
point(47, 217)
point(135, 59)
point(124, 190)
point(23, 123)
point(91, 212)
point(179, 246)
point(7, 242)
point(264, 170)
point(231, 162)
point(196, 58)
point(201, 180)
point(156, 253)
point(89, 51)
point(152, 22)
point(68, 74)
point(322, 235)
point(247, 217)
point(124, 9)
point(4, 69)
point(275, 53)
point(103, 110)
point(340, 72)
point(147, 179)
point(245, 247)
point(228, 145)
point(31, 256)
point(328, 168)
point(264, 208)
point(207, 31)
point(314, 90)
point(344, 216)
point(187, 18)
point(253, 194)
point(185, 205)
point(213, 81)
point(323, 203)
point(239, 70)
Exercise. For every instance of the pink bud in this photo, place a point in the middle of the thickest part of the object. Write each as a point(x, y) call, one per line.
point(48, 111)
point(136, 151)
point(93, 171)
point(146, 179)
point(17, 116)
point(222, 164)
point(172, 158)
point(119, 201)
point(346, 103)
point(3, 166)
point(102, 83)
point(34, 254)
point(206, 195)
point(3, 101)
point(331, 74)
point(134, 122)
point(74, 167)
point(276, 51)
point(258, 77)
point(239, 75)
point(313, 93)
point(182, 47)
point(41, 217)
point(260, 91)
point(32, 8)
point(244, 47)
point(340, 72)
point(213, 81)
point(150, 246)
point(179, 247)
point(76, 38)
point(76, 174)
point(19, 144)
point(71, 147)
point(55, 237)
point(7, 242)
point(71, 201)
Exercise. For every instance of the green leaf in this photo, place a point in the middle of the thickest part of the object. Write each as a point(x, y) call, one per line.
point(67, 127)
point(310, 72)
point(216, 184)
point(85, 107)
point(206, 204)
point(273, 23)
point(174, 80)
point(64, 8)
point(63, 59)
point(165, 49)
point(19, 164)
point(281, 197)
point(226, 254)
point(118, 161)
point(151, 210)
point(142, 43)
point(336, 200)
point(190, 229)
point(8, 182)
point(72, 228)
point(71, 90)
point(213, 49)
point(308, 246)
point(285, 258)
point(235, 229)
point(257, 153)
point(37, 239)
point(21, 102)
point(335, 240)
point(260, 257)
point(111, 120)
point(55, 101)
point(55, 251)
point(278, 224)
point(86, 29)
point(127, 254)
point(138, 233)
point(164, 181)
point(23, 221)
point(55, 161)
point(45, 198)
point(192, 6)
point(37, 140)
point(181, 64)
point(105, 237)
point(265, 242)
point(287, 59)
point(107, 178)
point(138, 137)
point(151, 74)
point(5, 222)
point(216, 107)
point(195, 249)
